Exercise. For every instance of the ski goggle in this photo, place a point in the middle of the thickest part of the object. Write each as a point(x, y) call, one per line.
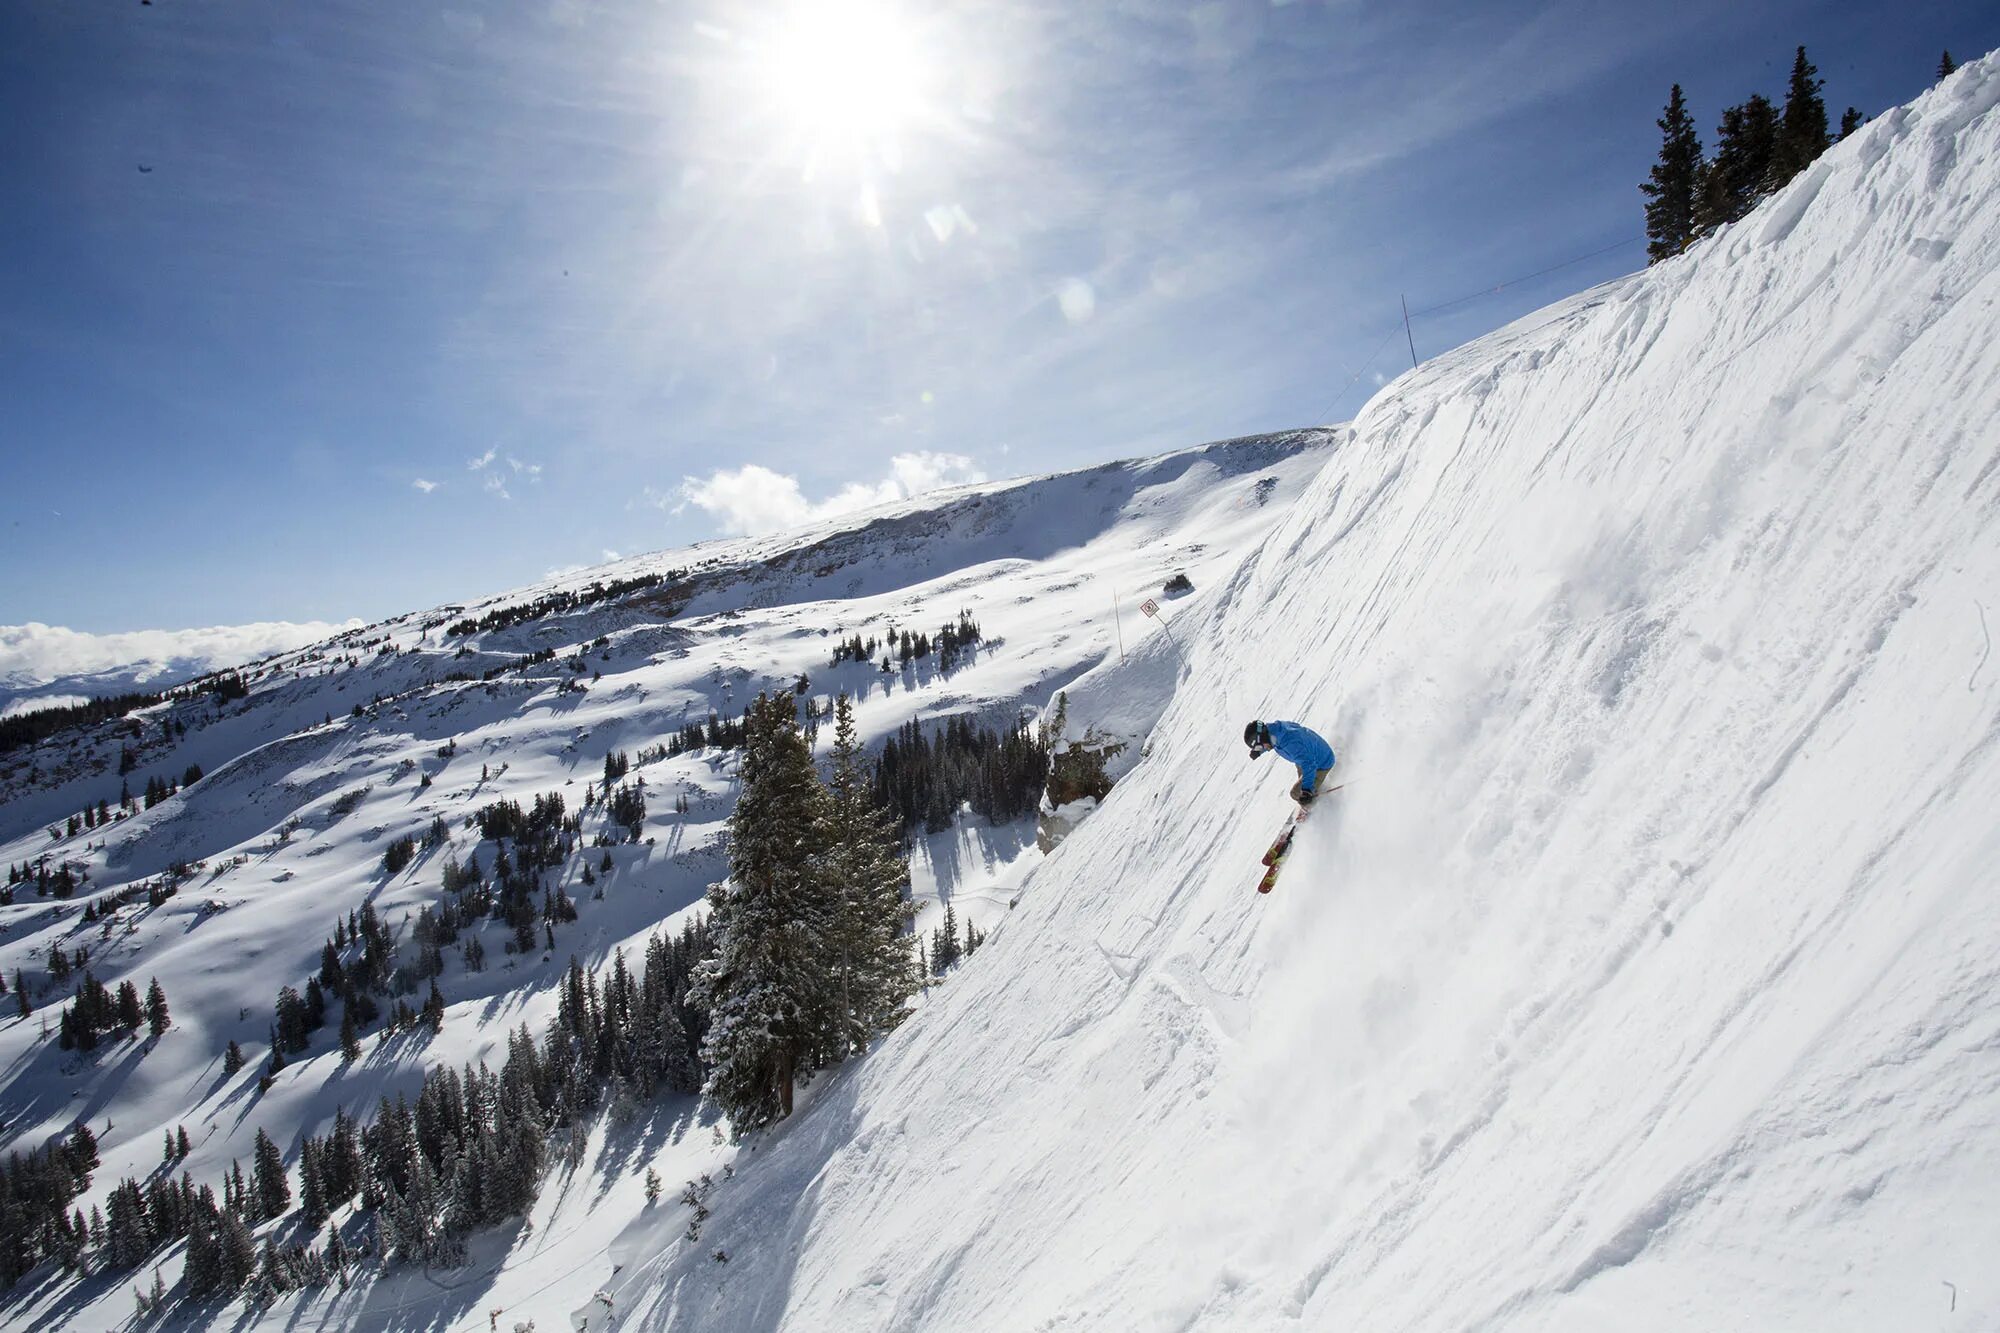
point(1262, 745)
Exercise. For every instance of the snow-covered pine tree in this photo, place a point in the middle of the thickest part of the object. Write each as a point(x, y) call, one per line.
point(660, 1040)
point(1670, 186)
point(867, 881)
point(766, 988)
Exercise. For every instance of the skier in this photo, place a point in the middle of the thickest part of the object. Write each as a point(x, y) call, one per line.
point(1300, 745)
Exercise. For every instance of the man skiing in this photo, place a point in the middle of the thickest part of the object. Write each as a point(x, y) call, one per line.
point(1302, 746)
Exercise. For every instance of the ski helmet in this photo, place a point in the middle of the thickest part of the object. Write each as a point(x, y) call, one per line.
point(1257, 737)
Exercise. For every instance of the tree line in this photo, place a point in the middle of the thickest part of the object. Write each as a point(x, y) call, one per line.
point(902, 647)
point(557, 603)
point(470, 1151)
point(925, 778)
point(804, 959)
point(37, 725)
point(1759, 148)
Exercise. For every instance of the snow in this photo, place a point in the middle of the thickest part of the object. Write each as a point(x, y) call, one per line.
point(301, 795)
point(1640, 976)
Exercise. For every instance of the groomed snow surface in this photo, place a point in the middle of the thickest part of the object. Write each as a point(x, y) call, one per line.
point(1644, 974)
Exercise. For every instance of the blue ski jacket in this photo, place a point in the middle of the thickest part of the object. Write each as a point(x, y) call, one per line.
point(1304, 747)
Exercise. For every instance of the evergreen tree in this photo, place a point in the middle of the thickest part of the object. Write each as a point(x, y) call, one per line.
point(350, 1038)
point(1670, 187)
point(232, 1059)
point(81, 1155)
point(157, 1019)
point(1802, 135)
point(312, 1196)
point(1850, 121)
point(237, 1253)
point(866, 880)
point(945, 946)
point(273, 1193)
point(1946, 67)
point(202, 1271)
point(127, 1228)
point(766, 990)
point(131, 1012)
point(1733, 180)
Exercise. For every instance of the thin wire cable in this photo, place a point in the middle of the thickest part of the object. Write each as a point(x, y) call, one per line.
point(1327, 413)
point(1525, 277)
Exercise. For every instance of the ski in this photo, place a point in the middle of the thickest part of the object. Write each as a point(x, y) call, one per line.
point(1274, 860)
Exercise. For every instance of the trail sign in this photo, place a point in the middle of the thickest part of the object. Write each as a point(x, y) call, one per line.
point(1149, 607)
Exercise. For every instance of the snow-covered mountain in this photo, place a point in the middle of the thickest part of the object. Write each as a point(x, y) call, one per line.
point(333, 752)
point(1642, 974)
point(1645, 973)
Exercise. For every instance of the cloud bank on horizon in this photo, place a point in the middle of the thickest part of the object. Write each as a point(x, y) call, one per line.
point(35, 654)
point(752, 500)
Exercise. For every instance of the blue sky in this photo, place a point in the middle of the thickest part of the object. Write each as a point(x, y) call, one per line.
point(339, 309)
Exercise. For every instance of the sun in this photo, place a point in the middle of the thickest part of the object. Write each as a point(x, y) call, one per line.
point(848, 76)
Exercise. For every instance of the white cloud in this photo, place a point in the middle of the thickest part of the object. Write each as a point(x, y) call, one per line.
point(479, 463)
point(34, 654)
point(532, 471)
point(753, 499)
point(497, 485)
point(425, 486)
point(610, 555)
point(15, 707)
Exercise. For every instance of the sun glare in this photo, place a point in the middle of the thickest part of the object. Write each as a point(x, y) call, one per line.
point(847, 74)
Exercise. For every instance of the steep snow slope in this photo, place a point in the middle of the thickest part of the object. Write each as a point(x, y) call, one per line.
point(1644, 975)
point(339, 749)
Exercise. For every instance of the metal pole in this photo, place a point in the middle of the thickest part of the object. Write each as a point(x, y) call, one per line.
point(1406, 331)
point(1119, 621)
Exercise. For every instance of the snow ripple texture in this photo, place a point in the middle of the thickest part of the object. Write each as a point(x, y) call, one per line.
point(1644, 975)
